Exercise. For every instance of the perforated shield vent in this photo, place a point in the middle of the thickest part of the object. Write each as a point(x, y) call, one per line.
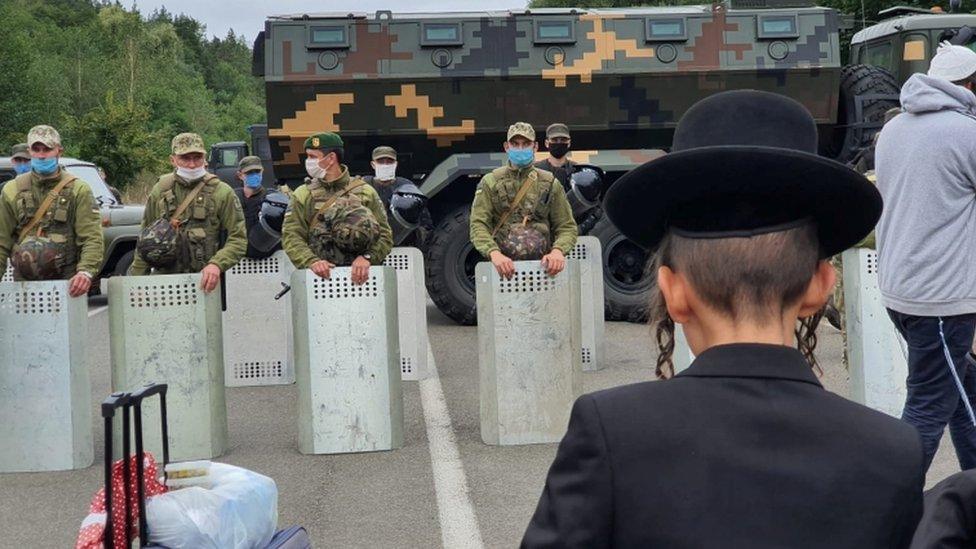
point(259, 370)
point(8, 275)
point(580, 252)
point(268, 265)
point(31, 302)
point(400, 262)
point(872, 262)
point(406, 365)
point(343, 288)
point(163, 295)
point(527, 282)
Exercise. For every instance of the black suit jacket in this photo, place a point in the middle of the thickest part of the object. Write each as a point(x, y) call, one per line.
point(743, 449)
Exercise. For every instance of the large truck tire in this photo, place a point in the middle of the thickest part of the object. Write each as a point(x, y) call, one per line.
point(626, 283)
point(451, 260)
point(845, 141)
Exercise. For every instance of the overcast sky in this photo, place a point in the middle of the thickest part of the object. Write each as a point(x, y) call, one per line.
point(247, 17)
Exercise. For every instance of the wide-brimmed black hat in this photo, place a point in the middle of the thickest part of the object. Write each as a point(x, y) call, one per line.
point(744, 162)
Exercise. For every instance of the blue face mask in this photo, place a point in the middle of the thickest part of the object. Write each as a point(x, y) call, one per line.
point(22, 167)
point(44, 166)
point(521, 157)
point(253, 180)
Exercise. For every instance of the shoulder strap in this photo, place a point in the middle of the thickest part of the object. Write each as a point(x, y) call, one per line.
point(166, 182)
point(46, 205)
point(175, 220)
point(328, 203)
point(523, 190)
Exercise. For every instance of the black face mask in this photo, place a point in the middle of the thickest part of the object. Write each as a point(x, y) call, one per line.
point(558, 150)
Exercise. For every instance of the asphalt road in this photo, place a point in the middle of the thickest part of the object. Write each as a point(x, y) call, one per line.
point(467, 494)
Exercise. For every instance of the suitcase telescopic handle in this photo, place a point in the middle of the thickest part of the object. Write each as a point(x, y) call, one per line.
point(109, 405)
point(136, 402)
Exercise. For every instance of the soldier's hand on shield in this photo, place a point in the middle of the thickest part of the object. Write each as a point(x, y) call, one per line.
point(360, 270)
point(504, 265)
point(322, 268)
point(210, 277)
point(554, 262)
point(80, 283)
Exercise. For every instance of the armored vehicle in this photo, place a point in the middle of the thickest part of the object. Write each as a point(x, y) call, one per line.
point(442, 88)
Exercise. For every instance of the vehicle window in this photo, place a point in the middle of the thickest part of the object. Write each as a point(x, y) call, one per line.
point(668, 29)
point(328, 36)
point(229, 157)
point(98, 186)
point(878, 55)
point(778, 26)
point(554, 32)
point(442, 34)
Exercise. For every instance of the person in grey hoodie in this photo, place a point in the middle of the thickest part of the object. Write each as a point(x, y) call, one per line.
point(925, 164)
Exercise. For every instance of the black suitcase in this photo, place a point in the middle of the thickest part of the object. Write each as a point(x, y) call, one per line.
point(290, 538)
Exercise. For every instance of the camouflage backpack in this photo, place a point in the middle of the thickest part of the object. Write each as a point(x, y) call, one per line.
point(525, 238)
point(343, 229)
point(157, 244)
point(40, 258)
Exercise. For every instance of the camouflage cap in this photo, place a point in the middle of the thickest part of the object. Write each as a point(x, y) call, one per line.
point(20, 150)
point(557, 130)
point(521, 129)
point(324, 140)
point(46, 135)
point(186, 143)
point(249, 163)
point(384, 152)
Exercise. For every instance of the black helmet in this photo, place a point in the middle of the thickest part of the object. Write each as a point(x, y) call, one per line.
point(267, 233)
point(407, 204)
point(585, 186)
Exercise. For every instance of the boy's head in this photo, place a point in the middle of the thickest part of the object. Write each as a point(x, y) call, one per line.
point(742, 213)
point(734, 289)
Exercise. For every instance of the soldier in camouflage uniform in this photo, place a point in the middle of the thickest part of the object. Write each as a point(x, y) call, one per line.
point(334, 219)
point(66, 241)
point(193, 243)
point(539, 226)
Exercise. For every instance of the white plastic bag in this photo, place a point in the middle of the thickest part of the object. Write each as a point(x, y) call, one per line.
point(239, 512)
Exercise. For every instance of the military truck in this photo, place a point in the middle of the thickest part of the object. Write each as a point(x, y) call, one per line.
point(121, 223)
point(442, 88)
point(904, 42)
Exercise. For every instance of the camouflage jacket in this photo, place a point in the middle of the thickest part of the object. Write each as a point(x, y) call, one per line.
point(215, 209)
point(74, 215)
point(545, 206)
point(301, 212)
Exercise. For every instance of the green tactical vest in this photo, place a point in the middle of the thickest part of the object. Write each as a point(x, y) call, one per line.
point(533, 210)
point(321, 235)
point(199, 233)
point(58, 223)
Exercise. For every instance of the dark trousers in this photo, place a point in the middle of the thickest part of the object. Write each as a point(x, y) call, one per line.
point(933, 397)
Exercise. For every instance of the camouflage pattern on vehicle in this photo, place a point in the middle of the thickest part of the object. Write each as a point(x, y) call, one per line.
point(442, 88)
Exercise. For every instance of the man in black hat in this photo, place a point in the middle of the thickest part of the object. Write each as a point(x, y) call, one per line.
point(744, 448)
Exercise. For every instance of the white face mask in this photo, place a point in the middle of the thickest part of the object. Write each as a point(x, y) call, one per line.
point(191, 175)
point(385, 172)
point(314, 170)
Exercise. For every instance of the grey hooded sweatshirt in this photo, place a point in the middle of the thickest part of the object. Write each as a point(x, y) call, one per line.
point(925, 164)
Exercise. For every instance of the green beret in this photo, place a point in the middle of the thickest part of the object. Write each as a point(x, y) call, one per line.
point(324, 140)
point(250, 163)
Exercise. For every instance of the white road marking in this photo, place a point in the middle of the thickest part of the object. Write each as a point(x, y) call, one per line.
point(97, 310)
point(459, 527)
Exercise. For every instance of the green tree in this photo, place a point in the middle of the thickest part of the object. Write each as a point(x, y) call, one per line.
point(114, 136)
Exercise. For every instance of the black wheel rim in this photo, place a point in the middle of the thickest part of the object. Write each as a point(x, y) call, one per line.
point(464, 269)
point(625, 264)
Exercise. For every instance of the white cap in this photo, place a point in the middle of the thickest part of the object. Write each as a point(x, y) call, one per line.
point(953, 63)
